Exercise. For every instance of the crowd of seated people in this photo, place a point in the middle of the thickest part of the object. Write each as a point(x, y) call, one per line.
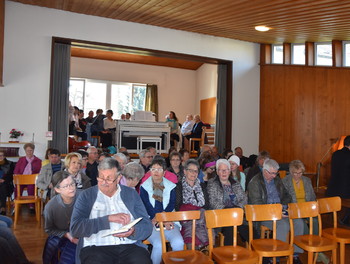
point(92, 192)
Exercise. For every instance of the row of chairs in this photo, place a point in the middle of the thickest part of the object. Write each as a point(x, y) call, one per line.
point(327, 240)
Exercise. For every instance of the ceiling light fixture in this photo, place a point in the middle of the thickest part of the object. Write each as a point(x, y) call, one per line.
point(262, 28)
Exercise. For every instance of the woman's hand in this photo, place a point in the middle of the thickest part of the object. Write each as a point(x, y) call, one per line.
point(169, 225)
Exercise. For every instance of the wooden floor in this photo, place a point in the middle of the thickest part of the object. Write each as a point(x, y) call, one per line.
point(32, 237)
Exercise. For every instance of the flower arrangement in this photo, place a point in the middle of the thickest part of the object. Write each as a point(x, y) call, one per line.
point(15, 133)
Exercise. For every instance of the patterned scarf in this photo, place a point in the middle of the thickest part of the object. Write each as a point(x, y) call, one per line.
point(28, 168)
point(158, 191)
point(192, 195)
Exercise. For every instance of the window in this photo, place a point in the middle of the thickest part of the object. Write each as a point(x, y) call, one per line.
point(346, 54)
point(277, 54)
point(323, 53)
point(120, 97)
point(298, 54)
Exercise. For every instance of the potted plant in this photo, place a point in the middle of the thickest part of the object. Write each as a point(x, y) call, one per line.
point(14, 135)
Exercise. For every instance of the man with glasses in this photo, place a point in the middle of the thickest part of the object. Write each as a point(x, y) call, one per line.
point(106, 207)
point(146, 158)
point(266, 187)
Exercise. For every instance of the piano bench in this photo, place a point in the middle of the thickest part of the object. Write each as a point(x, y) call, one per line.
point(143, 139)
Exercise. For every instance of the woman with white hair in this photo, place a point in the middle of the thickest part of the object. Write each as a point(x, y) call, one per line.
point(237, 175)
point(225, 192)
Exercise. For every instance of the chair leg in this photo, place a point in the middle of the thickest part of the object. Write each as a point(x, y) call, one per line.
point(334, 256)
point(260, 260)
point(16, 215)
point(37, 211)
point(342, 253)
point(290, 261)
point(310, 256)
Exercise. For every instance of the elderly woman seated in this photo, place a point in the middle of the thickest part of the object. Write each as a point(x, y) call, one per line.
point(191, 194)
point(132, 174)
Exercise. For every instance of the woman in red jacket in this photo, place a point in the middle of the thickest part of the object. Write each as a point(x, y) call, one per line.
point(29, 164)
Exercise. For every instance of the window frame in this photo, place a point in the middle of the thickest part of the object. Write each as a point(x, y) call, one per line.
point(345, 42)
point(292, 53)
point(273, 53)
point(316, 44)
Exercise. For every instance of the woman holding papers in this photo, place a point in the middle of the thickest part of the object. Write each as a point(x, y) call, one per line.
point(158, 195)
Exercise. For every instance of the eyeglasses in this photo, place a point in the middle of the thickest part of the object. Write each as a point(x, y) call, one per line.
point(297, 173)
point(273, 173)
point(156, 169)
point(108, 180)
point(211, 168)
point(223, 171)
point(65, 187)
point(192, 171)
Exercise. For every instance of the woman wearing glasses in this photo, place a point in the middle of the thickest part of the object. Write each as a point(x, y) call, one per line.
point(225, 192)
point(158, 195)
point(191, 195)
point(57, 215)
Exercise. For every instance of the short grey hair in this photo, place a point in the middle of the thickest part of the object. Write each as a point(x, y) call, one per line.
point(122, 157)
point(108, 164)
point(90, 148)
point(143, 153)
point(191, 162)
point(133, 170)
point(223, 161)
point(270, 164)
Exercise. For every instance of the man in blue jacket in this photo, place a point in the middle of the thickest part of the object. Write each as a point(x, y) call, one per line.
point(106, 207)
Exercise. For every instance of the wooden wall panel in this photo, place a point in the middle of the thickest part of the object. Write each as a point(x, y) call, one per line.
point(303, 110)
point(2, 29)
point(208, 110)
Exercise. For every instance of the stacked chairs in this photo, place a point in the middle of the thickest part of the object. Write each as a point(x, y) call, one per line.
point(340, 235)
point(311, 243)
point(228, 254)
point(270, 247)
point(183, 256)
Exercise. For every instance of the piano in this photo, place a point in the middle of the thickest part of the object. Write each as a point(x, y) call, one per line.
point(127, 133)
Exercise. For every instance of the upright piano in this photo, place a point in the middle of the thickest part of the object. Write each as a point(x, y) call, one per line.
point(127, 133)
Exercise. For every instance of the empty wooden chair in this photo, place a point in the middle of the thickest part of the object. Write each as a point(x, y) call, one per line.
point(23, 179)
point(340, 235)
point(270, 247)
point(228, 254)
point(310, 243)
point(183, 256)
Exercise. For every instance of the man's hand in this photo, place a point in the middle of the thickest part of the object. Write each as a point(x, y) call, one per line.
point(126, 234)
point(120, 218)
point(2, 180)
point(71, 239)
point(169, 225)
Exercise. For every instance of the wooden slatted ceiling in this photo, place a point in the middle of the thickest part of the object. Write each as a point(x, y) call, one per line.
point(290, 20)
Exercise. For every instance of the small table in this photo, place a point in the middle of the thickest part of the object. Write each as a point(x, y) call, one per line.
point(156, 140)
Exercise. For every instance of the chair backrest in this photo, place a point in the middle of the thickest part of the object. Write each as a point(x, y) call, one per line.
point(222, 218)
point(330, 205)
point(262, 212)
point(25, 179)
point(304, 210)
point(177, 216)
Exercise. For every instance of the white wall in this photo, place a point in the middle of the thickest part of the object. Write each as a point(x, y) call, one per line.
point(27, 57)
point(172, 83)
point(206, 84)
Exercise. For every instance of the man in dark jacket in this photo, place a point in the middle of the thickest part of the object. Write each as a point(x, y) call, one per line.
point(339, 184)
point(266, 187)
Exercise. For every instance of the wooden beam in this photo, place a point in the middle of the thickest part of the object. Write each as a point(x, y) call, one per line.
point(309, 54)
point(337, 53)
point(2, 30)
point(265, 54)
point(287, 54)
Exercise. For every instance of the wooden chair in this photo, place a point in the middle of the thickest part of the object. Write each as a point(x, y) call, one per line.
point(340, 235)
point(228, 254)
point(200, 140)
point(22, 179)
point(271, 247)
point(183, 256)
point(310, 243)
